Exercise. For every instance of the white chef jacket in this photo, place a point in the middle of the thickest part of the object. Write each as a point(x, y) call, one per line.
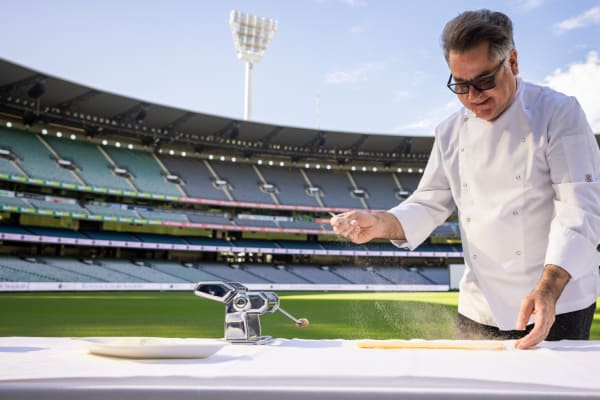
point(527, 190)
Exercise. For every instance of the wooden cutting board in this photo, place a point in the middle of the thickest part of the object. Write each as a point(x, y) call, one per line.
point(432, 344)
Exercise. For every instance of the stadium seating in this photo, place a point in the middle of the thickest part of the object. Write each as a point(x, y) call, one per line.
point(38, 270)
point(438, 275)
point(148, 176)
point(57, 232)
point(244, 182)
point(198, 180)
point(35, 158)
point(231, 273)
point(163, 216)
point(87, 271)
point(335, 186)
point(92, 166)
point(291, 185)
point(67, 269)
point(314, 274)
point(14, 202)
point(275, 273)
point(17, 274)
point(9, 167)
point(209, 218)
point(256, 223)
point(186, 273)
point(301, 225)
point(403, 275)
point(292, 196)
point(50, 205)
point(409, 181)
point(381, 189)
point(112, 211)
point(97, 271)
point(140, 271)
point(360, 275)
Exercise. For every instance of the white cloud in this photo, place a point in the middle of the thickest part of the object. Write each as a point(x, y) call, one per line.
point(360, 73)
point(581, 80)
point(589, 17)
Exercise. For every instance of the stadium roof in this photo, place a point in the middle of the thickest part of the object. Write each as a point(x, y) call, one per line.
point(35, 96)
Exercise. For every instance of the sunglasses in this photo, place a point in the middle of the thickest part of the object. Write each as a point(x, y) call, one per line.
point(480, 84)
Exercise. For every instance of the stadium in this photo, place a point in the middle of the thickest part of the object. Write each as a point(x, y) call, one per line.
point(113, 208)
point(154, 195)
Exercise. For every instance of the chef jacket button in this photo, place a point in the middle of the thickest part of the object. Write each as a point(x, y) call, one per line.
point(518, 177)
point(469, 220)
point(523, 140)
point(462, 149)
point(515, 213)
point(518, 252)
point(474, 256)
point(465, 185)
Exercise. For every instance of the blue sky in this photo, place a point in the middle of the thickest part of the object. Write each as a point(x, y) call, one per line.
point(372, 66)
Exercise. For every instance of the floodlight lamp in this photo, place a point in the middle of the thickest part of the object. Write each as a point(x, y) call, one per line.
point(251, 35)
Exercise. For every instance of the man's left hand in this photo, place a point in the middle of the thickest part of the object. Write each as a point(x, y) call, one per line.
point(541, 303)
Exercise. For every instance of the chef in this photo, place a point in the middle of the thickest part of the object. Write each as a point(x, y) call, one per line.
point(521, 166)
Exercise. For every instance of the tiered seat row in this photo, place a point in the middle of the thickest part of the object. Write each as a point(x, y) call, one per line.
point(33, 157)
point(65, 269)
point(265, 245)
point(94, 165)
point(83, 163)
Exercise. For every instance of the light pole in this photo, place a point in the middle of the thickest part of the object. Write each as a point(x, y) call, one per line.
point(251, 36)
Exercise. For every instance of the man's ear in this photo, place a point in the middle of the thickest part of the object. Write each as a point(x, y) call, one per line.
point(514, 62)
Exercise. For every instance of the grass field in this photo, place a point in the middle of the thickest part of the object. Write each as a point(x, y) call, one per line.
point(181, 314)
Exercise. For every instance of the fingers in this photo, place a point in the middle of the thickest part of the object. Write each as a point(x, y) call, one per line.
point(343, 224)
point(539, 333)
point(536, 336)
point(525, 313)
point(345, 227)
point(348, 226)
point(544, 319)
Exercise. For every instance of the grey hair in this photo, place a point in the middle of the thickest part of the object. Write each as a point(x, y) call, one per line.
point(472, 28)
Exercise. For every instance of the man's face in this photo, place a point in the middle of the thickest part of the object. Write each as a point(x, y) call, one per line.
point(476, 63)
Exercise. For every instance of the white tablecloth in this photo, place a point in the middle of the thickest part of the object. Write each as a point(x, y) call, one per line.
point(61, 368)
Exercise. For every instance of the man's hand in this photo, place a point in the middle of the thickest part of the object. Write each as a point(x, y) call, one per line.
point(362, 226)
point(541, 303)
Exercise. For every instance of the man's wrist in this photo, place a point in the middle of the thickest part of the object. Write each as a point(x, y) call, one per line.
point(391, 228)
point(553, 281)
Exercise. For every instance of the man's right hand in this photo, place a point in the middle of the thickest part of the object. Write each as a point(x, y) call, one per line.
point(362, 226)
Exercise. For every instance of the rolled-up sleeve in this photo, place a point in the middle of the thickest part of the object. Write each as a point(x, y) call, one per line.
point(574, 160)
point(429, 206)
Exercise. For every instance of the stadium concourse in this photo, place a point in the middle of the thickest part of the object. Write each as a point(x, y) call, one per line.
point(100, 191)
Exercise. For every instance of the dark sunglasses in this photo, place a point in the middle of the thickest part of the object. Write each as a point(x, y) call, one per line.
point(480, 84)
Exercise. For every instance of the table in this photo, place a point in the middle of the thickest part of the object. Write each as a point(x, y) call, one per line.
point(61, 368)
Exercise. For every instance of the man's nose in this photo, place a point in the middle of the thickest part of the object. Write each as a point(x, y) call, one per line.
point(473, 92)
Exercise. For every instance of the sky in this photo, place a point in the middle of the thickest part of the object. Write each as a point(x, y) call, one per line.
point(367, 66)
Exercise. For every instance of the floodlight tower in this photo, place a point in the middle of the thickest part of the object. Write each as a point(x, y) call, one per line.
point(251, 36)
